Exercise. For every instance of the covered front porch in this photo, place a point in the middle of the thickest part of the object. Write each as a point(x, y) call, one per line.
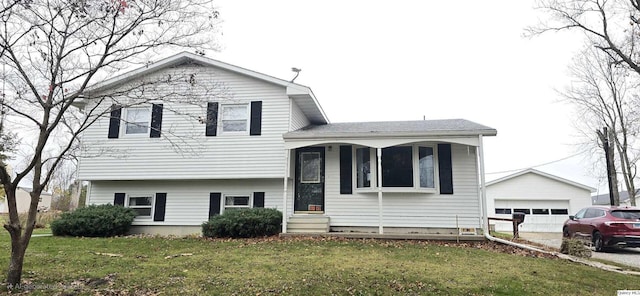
point(368, 179)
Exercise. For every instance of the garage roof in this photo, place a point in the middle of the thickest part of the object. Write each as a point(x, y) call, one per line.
point(543, 174)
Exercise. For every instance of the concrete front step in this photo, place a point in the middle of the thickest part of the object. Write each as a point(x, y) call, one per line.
point(308, 224)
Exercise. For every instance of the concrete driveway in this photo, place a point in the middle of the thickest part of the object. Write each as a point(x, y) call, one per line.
point(626, 256)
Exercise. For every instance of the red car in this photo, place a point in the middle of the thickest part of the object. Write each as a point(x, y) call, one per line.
point(605, 226)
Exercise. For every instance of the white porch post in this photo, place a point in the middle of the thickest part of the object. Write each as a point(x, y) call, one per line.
point(483, 192)
point(287, 152)
point(379, 170)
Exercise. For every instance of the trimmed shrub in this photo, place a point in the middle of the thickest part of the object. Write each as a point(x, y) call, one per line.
point(95, 221)
point(574, 247)
point(243, 223)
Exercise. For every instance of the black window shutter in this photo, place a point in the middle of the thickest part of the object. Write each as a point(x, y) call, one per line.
point(156, 120)
point(258, 199)
point(346, 170)
point(212, 118)
point(214, 203)
point(118, 199)
point(256, 118)
point(445, 169)
point(159, 209)
point(114, 121)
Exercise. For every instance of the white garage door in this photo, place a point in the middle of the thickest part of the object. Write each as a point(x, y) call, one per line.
point(541, 215)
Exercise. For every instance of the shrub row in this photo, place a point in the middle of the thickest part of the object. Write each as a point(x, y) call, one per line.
point(243, 223)
point(95, 221)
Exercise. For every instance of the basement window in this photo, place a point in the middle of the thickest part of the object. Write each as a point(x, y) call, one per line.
point(236, 202)
point(143, 205)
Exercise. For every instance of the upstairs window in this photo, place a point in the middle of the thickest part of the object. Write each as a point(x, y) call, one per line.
point(235, 118)
point(137, 121)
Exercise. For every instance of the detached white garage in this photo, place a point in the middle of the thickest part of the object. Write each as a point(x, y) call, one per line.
point(546, 200)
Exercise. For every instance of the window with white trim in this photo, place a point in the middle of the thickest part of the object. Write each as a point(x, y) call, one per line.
point(402, 167)
point(363, 167)
point(397, 166)
point(237, 201)
point(142, 204)
point(426, 167)
point(137, 120)
point(235, 118)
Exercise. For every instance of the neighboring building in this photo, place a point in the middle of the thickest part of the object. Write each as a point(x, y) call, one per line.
point(23, 199)
point(268, 143)
point(604, 199)
point(546, 200)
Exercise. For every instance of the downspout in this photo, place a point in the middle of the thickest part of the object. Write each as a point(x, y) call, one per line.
point(284, 194)
point(485, 216)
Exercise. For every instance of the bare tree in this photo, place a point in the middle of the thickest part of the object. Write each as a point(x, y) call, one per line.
point(53, 50)
point(604, 96)
point(612, 26)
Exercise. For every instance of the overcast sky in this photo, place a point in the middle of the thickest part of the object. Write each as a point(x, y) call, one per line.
point(405, 60)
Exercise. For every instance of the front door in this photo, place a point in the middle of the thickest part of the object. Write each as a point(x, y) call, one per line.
point(309, 191)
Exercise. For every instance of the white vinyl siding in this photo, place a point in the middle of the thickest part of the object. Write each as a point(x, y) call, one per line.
point(183, 151)
point(407, 209)
point(298, 119)
point(187, 201)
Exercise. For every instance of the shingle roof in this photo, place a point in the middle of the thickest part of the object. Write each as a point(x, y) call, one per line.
point(603, 199)
point(399, 128)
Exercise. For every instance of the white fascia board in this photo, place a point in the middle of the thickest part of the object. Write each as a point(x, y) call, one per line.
point(379, 142)
point(297, 91)
point(379, 135)
point(183, 57)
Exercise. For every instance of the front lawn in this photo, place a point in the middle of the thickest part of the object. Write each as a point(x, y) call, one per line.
point(191, 266)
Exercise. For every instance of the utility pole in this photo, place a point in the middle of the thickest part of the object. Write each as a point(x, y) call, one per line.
point(605, 137)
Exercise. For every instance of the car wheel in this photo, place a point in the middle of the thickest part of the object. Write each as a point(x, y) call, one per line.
point(598, 243)
point(565, 232)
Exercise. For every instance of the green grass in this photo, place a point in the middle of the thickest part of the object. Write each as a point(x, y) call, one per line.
point(295, 266)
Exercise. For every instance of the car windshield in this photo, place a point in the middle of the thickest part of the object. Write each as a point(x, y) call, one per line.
point(626, 214)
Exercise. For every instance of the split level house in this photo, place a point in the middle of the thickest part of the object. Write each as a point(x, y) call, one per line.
point(210, 137)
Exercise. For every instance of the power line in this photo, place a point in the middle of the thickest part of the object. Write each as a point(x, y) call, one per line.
point(535, 166)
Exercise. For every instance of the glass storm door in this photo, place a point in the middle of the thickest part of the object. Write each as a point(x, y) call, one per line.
point(309, 192)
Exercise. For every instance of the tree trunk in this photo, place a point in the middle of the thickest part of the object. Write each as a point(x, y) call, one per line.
point(611, 166)
point(19, 237)
point(14, 274)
